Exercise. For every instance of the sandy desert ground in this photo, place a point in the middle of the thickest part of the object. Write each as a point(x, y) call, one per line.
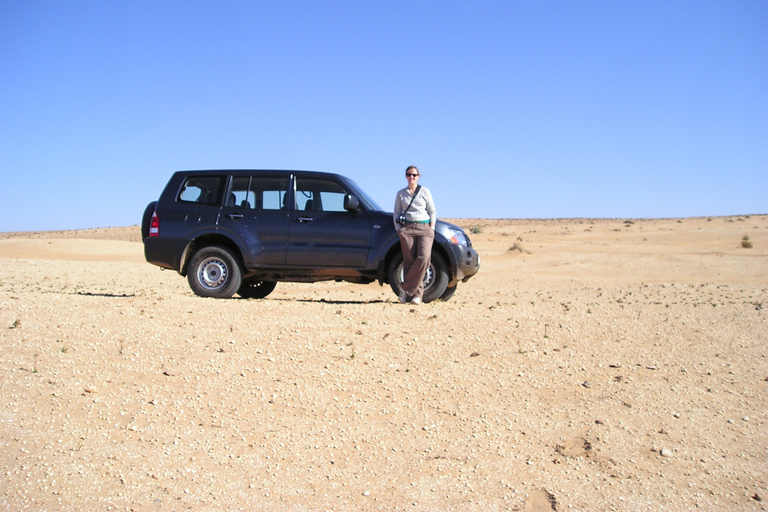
point(590, 365)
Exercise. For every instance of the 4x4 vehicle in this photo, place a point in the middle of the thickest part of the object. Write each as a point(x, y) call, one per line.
point(243, 231)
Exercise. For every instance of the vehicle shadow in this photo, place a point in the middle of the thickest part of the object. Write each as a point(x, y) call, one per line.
point(107, 295)
point(334, 302)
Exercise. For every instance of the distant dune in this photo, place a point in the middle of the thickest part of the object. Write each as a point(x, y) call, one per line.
point(127, 234)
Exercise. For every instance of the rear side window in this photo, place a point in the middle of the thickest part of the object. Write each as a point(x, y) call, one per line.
point(202, 190)
point(269, 193)
point(239, 196)
point(257, 192)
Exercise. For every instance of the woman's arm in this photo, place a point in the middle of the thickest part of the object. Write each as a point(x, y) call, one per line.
point(397, 211)
point(431, 210)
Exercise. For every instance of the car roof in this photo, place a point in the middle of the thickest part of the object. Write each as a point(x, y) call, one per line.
point(248, 172)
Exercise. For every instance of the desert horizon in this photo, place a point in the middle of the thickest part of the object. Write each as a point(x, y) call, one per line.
point(591, 364)
point(121, 232)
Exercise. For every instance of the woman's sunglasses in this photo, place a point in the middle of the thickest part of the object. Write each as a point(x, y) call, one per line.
point(412, 175)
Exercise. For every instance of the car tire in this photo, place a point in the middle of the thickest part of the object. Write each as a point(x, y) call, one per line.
point(448, 293)
point(435, 279)
point(256, 289)
point(214, 272)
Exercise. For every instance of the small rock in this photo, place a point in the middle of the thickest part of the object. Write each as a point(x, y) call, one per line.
point(676, 415)
point(367, 493)
point(665, 452)
point(586, 384)
point(474, 354)
point(745, 418)
point(170, 373)
point(757, 497)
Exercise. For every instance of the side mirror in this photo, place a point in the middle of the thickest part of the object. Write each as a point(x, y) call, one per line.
point(351, 203)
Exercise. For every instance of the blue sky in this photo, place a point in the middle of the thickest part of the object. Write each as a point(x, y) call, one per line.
point(511, 109)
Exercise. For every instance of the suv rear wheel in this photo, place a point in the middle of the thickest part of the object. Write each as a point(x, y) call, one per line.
point(214, 272)
point(435, 279)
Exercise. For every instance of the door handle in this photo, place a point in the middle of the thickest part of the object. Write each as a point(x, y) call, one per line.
point(234, 216)
point(304, 220)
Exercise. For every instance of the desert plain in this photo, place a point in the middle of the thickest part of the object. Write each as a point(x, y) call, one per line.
point(592, 364)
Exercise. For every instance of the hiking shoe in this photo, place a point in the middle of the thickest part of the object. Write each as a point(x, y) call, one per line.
point(416, 300)
point(402, 297)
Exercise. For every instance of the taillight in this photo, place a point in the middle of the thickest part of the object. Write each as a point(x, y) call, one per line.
point(154, 225)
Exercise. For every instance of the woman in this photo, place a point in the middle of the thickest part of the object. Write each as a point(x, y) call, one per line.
point(415, 218)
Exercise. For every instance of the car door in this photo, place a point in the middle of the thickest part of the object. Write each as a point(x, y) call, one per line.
point(196, 206)
point(321, 233)
point(254, 214)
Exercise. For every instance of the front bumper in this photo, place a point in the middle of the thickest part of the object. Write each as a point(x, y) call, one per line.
point(467, 263)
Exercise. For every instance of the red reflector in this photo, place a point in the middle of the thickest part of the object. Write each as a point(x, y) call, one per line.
point(154, 225)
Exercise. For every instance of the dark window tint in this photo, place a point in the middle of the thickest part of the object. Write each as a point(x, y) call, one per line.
point(202, 190)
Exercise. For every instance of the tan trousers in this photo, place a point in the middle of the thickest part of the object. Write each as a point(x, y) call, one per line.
point(416, 243)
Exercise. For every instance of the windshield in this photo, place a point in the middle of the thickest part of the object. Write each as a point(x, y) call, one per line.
point(364, 198)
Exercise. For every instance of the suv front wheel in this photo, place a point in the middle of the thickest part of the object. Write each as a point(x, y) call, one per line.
point(435, 278)
point(214, 272)
point(256, 289)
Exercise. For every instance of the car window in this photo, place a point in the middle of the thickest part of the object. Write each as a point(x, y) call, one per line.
point(319, 195)
point(202, 190)
point(268, 193)
point(364, 198)
point(239, 195)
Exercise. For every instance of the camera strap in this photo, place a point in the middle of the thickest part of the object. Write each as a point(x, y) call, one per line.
point(415, 193)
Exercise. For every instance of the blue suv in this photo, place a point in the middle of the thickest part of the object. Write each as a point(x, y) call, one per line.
point(240, 232)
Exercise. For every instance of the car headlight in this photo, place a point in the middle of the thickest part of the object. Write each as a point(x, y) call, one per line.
point(456, 236)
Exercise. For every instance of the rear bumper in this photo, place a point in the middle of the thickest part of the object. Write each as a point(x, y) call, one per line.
point(165, 252)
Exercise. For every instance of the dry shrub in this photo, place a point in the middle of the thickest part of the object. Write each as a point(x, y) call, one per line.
point(516, 247)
